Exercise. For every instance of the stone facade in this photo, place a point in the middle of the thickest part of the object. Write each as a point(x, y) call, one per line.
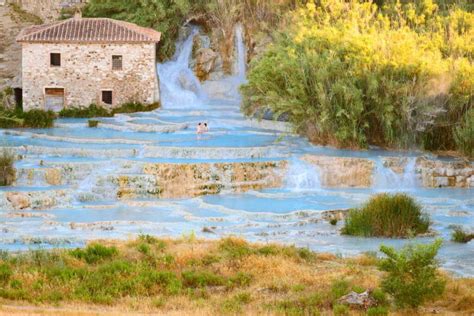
point(86, 70)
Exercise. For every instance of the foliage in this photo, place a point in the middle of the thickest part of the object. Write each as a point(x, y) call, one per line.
point(351, 74)
point(7, 170)
point(464, 134)
point(201, 276)
point(93, 123)
point(31, 119)
point(98, 111)
point(461, 236)
point(38, 119)
point(412, 276)
point(387, 215)
point(168, 16)
point(94, 253)
point(82, 112)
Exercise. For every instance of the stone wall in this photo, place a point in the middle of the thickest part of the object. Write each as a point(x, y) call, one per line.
point(86, 70)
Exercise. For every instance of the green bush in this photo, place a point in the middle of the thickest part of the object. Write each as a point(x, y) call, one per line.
point(195, 279)
point(94, 253)
point(464, 134)
point(133, 107)
point(93, 123)
point(460, 236)
point(412, 276)
point(7, 170)
point(85, 112)
point(5, 273)
point(97, 111)
point(387, 215)
point(38, 119)
point(30, 119)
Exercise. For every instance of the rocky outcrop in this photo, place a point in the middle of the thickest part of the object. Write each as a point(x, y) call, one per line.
point(205, 62)
point(436, 173)
point(190, 180)
point(34, 200)
point(343, 172)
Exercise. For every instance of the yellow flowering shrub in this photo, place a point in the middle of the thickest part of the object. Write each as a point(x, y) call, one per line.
point(352, 74)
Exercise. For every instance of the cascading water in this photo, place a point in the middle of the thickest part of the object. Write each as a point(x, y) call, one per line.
point(387, 179)
point(240, 64)
point(302, 176)
point(179, 86)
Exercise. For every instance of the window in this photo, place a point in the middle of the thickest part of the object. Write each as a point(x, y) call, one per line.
point(107, 97)
point(55, 60)
point(117, 62)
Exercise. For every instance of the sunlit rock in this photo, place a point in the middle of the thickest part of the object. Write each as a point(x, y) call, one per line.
point(342, 171)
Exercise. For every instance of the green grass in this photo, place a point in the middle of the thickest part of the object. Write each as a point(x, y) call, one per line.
point(461, 236)
point(7, 170)
point(386, 215)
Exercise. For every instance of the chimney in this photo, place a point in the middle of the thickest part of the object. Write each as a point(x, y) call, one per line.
point(78, 14)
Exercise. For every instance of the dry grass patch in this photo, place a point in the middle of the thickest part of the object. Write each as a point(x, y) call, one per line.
point(197, 277)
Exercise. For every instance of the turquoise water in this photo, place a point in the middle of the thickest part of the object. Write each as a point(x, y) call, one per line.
point(292, 214)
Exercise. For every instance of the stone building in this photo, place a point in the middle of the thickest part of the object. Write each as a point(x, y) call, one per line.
point(83, 61)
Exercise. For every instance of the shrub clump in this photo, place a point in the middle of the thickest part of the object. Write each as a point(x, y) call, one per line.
point(386, 215)
point(38, 119)
point(7, 171)
point(94, 110)
point(461, 236)
point(94, 253)
point(93, 123)
point(412, 277)
point(30, 119)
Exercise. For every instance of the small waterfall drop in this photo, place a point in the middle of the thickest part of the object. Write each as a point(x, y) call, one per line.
point(387, 179)
point(179, 86)
point(302, 176)
point(240, 64)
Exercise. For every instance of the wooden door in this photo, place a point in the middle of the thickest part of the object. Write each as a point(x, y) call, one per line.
point(54, 99)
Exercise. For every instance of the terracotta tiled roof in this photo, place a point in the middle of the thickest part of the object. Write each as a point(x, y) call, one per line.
point(89, 30)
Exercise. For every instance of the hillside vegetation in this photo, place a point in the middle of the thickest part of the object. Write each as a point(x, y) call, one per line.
point(352, 73)
point(217, 17)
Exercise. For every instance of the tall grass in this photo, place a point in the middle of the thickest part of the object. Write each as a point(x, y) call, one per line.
point(7, 171)
point(386, 215)
point(461, 236)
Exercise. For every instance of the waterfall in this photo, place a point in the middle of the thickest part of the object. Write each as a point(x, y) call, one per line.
point(240, 63)
point(302, 176)
point(387, 179)
point(179, 86)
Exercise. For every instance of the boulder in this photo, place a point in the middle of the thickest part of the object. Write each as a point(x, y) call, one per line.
point(205, 63)
point(19, 201)
point(362, 300)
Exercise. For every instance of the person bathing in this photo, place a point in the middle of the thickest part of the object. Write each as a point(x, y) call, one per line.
point(202, 128)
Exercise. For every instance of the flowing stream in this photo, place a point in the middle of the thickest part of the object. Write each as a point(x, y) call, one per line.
point(87, 205)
